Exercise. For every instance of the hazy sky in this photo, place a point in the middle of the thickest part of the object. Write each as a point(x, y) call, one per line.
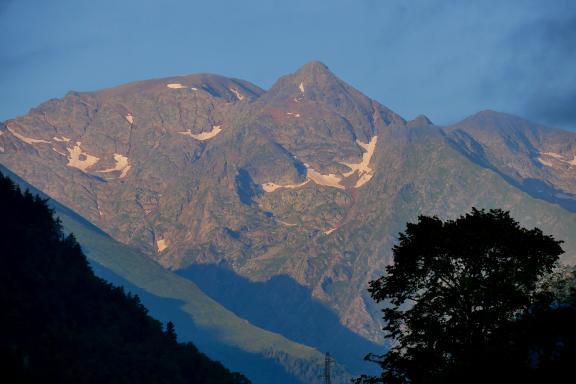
point(443, 58)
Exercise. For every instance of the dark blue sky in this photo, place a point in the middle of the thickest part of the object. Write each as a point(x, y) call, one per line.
point(443, 58)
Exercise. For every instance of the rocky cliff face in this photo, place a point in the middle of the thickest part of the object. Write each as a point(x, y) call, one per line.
point(310, 179)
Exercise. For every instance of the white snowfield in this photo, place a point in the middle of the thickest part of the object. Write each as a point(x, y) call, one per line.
point(176, 86)
point(293, 114)
point(129, 118)
point(79, 159)
point(286, 223)
point(58, 152)
point(329, 180)
point(161, 245)
point(329, 231)
point(363, 180)
point(122, 165)
point(301, 86)
point(61, 139)
point(271, 187)
point(216, 129)
point(363, 169)
point(237, 93)
point(27, 140)
point(557, 157)
point(546, 162)
point(365, 173)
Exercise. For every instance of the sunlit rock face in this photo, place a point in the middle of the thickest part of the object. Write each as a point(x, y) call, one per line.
point(310, 179)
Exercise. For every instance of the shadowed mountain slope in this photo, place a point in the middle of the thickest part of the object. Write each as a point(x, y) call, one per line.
point(310, 179)
point(263, 356)
point(61, 324)
point(534, 158)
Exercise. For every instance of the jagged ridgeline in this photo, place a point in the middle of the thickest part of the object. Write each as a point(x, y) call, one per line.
point(309, 180)
point(60, 323)
point(271, 210)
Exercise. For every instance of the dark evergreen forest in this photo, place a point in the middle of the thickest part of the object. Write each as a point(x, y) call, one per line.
point(59, 323)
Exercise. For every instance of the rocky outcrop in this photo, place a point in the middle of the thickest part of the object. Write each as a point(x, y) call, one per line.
point(309, 179)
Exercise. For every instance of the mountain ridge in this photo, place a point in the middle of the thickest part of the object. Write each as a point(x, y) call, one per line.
point(311, 179)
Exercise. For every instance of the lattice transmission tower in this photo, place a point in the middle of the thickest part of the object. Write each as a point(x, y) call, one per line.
point(328, 361)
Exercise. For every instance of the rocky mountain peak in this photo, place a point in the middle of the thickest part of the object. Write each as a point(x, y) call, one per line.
point(489, 118)
point(215, 85)
point(420, 121)
point(299, 180)
point(314, 70)
point(313, 81)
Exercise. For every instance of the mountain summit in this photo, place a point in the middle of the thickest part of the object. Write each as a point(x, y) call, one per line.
point(310, 179)
point(314, 73)
point(317, 77)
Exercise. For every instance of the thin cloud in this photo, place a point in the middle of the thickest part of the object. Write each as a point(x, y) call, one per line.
point(536, 67)
point(553, 99)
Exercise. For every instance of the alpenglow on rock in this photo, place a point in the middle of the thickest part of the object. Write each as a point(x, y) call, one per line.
point(309, 179)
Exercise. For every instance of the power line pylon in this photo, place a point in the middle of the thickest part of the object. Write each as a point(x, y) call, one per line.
point(327, 376)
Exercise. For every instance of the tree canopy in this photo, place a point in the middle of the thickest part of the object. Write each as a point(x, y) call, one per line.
point(453, 288)
point(59, 323)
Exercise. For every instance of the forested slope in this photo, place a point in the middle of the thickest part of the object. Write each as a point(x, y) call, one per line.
point(59, 323)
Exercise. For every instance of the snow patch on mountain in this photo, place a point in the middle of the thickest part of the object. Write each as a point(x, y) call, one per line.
point(176, 86)
point(329, 231)
point(362, 169)
point(27, 140)
point(80, 159)
point(237, 93)
point(59, 152)
point(329, 180)
point(122, 165)
point(286, 223)
point(216, 129)
point(161, 245)
point(365, 173)
point(556, 156)
point(271, 187)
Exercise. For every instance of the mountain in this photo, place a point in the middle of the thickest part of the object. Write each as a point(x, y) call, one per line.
point(61, 324)
point(309, 181)
point(262, 355)
point(539, 160)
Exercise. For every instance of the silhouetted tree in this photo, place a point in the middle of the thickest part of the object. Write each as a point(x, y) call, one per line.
point(59, 323)
point(453, 286)
point(171, 330)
